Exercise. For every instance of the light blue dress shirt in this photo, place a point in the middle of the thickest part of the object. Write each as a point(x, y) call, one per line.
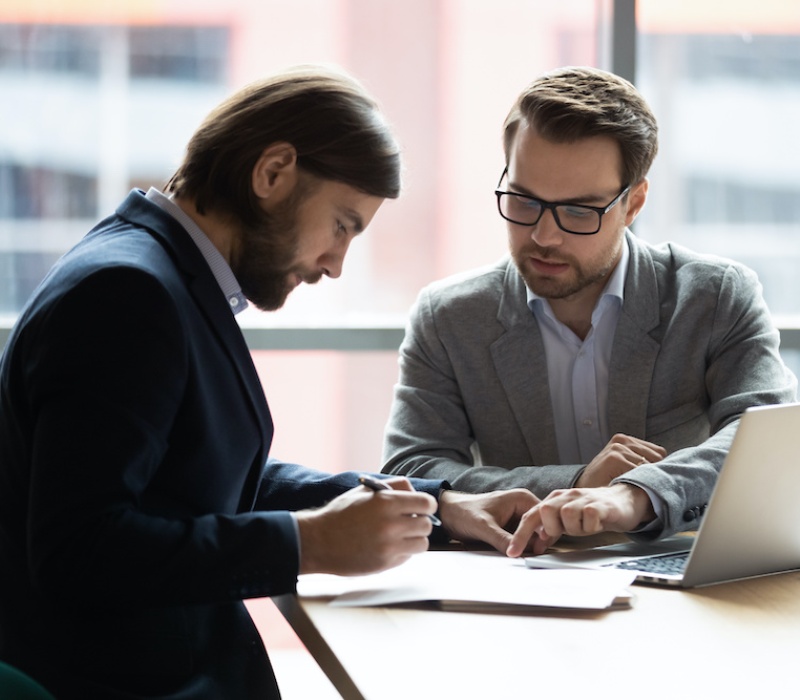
point(578, 369)
point(578, 374)
point(219, 266)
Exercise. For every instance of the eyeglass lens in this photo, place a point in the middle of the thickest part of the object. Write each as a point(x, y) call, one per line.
point(528, 211)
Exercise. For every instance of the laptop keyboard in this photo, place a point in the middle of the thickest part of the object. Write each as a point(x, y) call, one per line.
point(657, 564)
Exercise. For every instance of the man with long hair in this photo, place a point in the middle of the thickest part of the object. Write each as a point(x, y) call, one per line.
point(138, 502)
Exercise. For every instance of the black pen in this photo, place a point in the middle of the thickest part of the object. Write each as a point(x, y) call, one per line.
point(378, 485)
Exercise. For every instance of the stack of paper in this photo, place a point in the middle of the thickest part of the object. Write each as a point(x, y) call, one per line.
point(475, 581)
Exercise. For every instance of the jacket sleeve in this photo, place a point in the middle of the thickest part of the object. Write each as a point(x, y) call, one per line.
point(438, 403)
point(738, 365)
point(294, 487)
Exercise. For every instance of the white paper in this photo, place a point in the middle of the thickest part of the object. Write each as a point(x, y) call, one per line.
point(472, 577)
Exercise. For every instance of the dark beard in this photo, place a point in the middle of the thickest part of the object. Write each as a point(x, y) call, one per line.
point(266, 252)
point(562, 289)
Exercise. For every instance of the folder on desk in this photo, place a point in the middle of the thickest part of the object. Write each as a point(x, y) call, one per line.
point(475, 582)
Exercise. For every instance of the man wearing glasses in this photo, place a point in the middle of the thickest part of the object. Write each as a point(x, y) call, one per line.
point(605, 374)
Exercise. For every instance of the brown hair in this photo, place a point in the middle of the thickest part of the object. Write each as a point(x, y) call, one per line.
point(577, 102)
point(335, 126)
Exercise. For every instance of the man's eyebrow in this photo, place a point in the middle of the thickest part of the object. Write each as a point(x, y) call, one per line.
point(588, 199)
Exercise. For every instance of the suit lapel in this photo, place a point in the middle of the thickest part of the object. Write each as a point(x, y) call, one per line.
point(210, 299)
point(521, 366)
point(204, 289)
point(634, 352)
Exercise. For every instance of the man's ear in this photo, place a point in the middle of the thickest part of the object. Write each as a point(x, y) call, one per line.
point(275, 172)
point(636, 199)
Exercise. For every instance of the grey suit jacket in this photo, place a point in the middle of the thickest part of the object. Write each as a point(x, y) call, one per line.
point(694, 347)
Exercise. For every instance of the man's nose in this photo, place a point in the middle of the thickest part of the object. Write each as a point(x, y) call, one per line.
point(333, 261)
point(546, 232)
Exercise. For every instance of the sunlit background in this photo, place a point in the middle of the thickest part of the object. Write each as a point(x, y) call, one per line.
point(98, 97)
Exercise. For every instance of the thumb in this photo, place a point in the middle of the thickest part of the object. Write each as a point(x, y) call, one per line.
point(497, 537)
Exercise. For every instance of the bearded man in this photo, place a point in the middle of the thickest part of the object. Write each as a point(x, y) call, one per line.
point(138, 502)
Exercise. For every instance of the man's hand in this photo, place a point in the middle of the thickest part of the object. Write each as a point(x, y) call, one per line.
point(617, 508)
point(363, 532)
point(486, 516)
point(620, 455)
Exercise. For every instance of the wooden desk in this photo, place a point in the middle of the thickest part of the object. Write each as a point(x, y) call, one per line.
point(726, 641)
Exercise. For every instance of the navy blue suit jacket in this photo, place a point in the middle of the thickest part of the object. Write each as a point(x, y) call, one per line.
point(138, 505)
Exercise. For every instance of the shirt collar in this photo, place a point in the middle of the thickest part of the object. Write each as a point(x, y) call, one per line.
point(219, 266)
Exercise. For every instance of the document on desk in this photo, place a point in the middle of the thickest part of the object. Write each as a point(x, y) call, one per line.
point(475, 581)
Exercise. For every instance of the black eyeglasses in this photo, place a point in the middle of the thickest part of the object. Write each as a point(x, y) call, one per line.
point(579, 219)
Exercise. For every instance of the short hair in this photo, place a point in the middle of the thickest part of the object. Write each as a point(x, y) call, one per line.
point(335, 126)
point(573, 103)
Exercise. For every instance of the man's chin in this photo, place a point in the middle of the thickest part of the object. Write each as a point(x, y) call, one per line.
point(272, 301)
point(269, 305)
point(548, 288)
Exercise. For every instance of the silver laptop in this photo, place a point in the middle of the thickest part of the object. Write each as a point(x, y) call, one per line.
point(751, 526)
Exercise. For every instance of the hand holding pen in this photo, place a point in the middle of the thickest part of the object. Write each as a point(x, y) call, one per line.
point(380, 485)
point(360, 532)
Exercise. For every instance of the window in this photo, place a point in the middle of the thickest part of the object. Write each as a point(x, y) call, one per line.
point(193, 54)
point(44, 193)
point(46, 48)
point(725, 86)
point(732, 201)
point(743, 58)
